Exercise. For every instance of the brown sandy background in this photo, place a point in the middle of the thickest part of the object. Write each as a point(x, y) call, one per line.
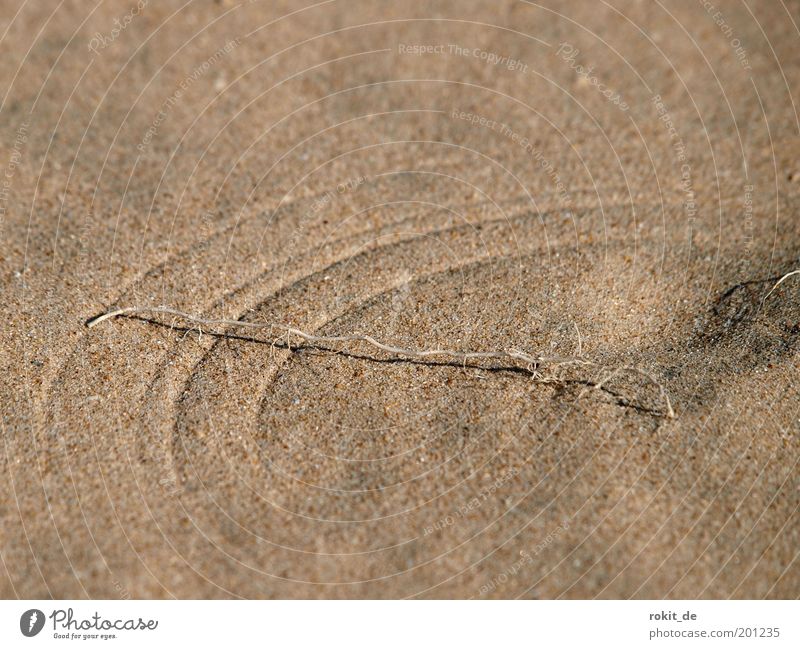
point(314, 174)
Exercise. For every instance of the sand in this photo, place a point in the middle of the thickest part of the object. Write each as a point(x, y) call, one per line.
point(616, 181)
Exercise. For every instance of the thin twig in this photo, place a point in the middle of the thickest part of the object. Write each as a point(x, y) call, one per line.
point(647, 375)
point(779, 282)
point(532, 361)
point(288, 330)
point(580, 342)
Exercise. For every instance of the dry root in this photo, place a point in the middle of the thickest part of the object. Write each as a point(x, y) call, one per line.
point(532, 361)
point(779, 282)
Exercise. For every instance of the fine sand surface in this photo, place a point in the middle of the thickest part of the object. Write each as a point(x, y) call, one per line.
point(273, 162)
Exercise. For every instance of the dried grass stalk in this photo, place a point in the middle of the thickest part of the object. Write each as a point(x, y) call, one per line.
point(533, 361)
